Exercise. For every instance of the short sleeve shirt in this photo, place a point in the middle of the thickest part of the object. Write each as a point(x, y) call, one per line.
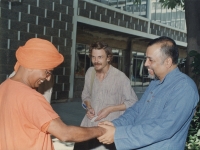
point(24, 118)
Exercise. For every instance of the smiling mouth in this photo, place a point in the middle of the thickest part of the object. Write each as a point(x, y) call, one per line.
point(150, 70)
point(41, 81)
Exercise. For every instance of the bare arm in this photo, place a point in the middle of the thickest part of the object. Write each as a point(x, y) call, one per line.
point(72, 133)
point(106, 111)
point(120, 107)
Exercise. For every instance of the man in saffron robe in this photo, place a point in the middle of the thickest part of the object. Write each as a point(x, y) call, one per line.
point(26, 118)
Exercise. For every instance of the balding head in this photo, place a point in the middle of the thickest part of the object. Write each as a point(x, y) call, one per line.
point(168, 48)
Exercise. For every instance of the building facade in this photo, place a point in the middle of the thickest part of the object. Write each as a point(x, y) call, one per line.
point(71, 25)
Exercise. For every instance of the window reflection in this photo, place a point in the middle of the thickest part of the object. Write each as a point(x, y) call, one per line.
point(139, 73)
point(181, 64)
point(174, 18)
point(82, 62)
point(117, 59)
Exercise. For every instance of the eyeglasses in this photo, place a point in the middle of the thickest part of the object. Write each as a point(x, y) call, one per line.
point(48, 73)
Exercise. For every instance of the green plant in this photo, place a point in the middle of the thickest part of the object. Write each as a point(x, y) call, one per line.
point(193, 139)
point(195, 65)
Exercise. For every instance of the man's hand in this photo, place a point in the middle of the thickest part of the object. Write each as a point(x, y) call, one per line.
point(106, 111)
point(106, 123)
point(108, 137)
point(90, 113)
point(103, 113)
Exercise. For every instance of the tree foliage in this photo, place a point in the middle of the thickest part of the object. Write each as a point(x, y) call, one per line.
point(193, 139)
point(196, 63)
point(171, 4)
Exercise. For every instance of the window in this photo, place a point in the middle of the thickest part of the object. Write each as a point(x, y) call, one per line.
point(181, 64)
point(139, 73)
point(117, 59)
point(82, 60)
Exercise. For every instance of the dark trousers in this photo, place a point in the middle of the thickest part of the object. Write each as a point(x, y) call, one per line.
point(92, 144)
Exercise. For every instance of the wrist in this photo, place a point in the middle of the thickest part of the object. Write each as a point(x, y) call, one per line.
point(89, 107)
point(101, 131)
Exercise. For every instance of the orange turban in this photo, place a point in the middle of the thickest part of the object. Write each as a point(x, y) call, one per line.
point(38, 54)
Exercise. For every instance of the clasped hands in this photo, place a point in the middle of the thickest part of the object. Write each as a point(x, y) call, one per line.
point(108, 136)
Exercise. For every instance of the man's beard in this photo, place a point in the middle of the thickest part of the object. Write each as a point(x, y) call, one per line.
point(96, 66)
point(150, 76)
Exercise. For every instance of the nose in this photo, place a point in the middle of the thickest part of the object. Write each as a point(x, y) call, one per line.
point(95, 60)
point(146, 62)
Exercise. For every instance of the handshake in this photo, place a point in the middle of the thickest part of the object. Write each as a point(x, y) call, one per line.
point(108, 136)
point(109, 129)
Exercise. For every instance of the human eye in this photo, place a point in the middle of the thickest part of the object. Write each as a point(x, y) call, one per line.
point(149, 59)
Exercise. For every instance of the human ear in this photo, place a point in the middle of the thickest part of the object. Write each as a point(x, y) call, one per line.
point(108, 58)
point(168, 62)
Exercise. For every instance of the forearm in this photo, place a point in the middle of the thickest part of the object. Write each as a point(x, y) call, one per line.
point(78, 134)
point(120, 107)
point(87, 103)
point(72, 133)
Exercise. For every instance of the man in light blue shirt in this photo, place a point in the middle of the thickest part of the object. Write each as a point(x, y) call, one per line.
point(160, 119)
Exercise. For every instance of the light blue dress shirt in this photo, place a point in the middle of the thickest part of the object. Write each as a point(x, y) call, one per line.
point(160, 119)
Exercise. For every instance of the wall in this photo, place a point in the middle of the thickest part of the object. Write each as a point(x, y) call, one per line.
point(50, 20)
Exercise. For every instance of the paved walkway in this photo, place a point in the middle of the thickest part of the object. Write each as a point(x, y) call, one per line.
point(71, 113)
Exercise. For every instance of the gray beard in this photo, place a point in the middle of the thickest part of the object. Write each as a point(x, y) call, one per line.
point(151, 76)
